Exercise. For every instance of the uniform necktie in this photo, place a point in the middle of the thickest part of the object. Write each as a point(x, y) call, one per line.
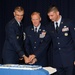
point(20, 24)
point(57, 27)
point(35, 30)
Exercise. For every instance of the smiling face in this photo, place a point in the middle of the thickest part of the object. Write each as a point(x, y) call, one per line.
point(35, 18)
point(18, 15)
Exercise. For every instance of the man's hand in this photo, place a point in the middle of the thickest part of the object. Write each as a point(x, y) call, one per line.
point(33, 61)
point(30, 60)
point(31, 57)
point(26, 59)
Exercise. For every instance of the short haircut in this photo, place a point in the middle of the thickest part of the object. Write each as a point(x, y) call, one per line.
point(53, 8)
point(35, 13)
point(19, 8)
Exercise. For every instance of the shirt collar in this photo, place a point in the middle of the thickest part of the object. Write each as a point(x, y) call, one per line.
point(58, 21)
point(37, 27)
point(18, 22)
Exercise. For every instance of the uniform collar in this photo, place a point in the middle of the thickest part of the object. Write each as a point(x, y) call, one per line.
point(37, 27)
point(59, 21)
point(18, 22)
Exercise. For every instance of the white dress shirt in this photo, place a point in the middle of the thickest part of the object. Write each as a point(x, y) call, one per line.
point(59, 21)
point(37, 27)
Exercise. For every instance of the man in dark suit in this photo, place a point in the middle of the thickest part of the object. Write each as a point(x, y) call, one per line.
point(35, 35)
point(13, 46)
point(62, 33)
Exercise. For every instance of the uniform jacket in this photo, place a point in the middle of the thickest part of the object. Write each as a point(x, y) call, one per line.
point(34, 45)
point(63, 43)
point(13, 42)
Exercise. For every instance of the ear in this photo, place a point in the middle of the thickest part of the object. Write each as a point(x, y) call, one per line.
point(40, 18)
point(14, 13)
point(58, 13)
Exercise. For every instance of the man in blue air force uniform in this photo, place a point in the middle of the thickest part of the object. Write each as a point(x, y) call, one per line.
point(13, 46)
point(35, 35)
point(62, 33)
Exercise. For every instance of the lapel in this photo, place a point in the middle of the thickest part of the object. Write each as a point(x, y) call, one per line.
point(33, 34)
point(32, 30)
point(61, 26)
point(19, 28)
point(16, 23)
point(40, 29)
point(52, 29)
